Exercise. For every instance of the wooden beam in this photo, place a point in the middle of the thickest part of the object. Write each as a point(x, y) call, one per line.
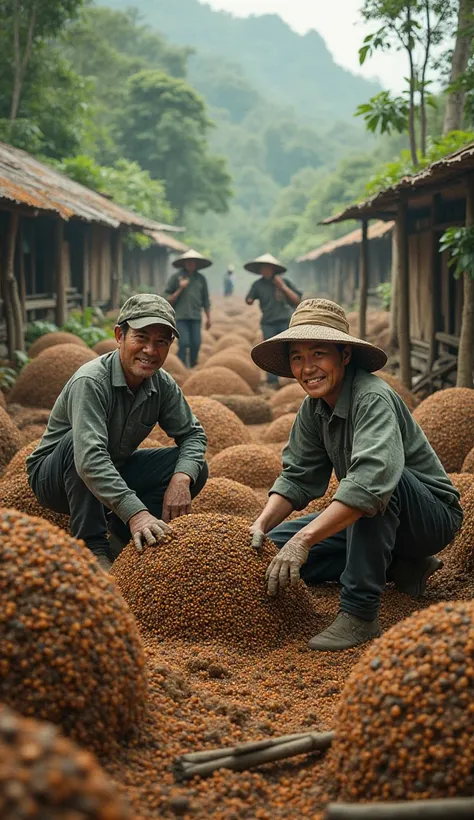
point(9, 289)
point(117, 269)
point(434, 270)
point(404, 294)
point(466, 340)
point(363, 279)
point(60, 274)
point(86, 267)
point(395, 298)
point(21, 270)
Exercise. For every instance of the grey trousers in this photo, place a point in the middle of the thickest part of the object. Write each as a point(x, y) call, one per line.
point(58, 487)
point(415, 524)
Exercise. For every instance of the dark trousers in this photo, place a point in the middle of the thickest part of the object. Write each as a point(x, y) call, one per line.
point(189, 340)
point(270, 329)
point(58, 487)
point(415, 524)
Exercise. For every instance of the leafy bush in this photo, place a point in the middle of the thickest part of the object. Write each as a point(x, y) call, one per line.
point(38, 328)
point(384, 292)
point(87, 325)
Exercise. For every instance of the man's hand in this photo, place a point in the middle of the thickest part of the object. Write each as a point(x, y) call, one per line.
point(177, 500)
point(208, 324)
point(146, 529)
point(278, 282)
point(183, 281)
point(285, 567)
point(258, 536)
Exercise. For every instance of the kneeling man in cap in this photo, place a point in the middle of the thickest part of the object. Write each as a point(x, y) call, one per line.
point(395, 506)
point(87, 464)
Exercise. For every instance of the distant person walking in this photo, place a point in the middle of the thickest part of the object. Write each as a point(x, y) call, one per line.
point(229, 281)
point(188, 292)
point(278, 297)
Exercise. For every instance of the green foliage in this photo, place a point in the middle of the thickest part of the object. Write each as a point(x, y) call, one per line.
point(38, 328)
point(384, 292)
point(125, 182)
point(86, 325)
point(460, 244)
point(8, 376)
point(385, 113)
point(164, 126)
point(391, 173)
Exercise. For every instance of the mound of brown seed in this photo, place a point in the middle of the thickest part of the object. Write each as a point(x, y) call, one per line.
point(250, 464)
point(105, 346)
point(232, 340)
point(462, 481)
point(406, 719)
point(280, 429)
point(60, 337)
point(205, 582)
point(15, 492)
point(222, 495)
point(436, 416)
point(32, 432)
point(250, 409)
point(45, 776)
point(18, 462)
point(397, 386)
point(3, 401)
point(175, 367)
point(25, 416)
point(468, 463)
point(210, 380)
point(222, 427)
point(240, 363)
point(41, 381)
point(69, 647)
point(10, 439)
point(289, 394)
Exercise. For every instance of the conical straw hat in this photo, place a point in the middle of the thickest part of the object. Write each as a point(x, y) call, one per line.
point(201, 260)
point(266, 259)
point(316, 320)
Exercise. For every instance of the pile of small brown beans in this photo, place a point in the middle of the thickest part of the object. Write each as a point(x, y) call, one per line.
point(436, 416)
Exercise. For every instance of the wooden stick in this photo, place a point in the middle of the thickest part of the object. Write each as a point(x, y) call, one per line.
point(307, 743)
point(455, 809)
point(244, 748)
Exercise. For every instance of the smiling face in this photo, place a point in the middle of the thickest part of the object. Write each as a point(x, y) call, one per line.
point(143, 352)
point(320, 368)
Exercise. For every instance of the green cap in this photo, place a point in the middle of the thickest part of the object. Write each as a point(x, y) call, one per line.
point(145, 309)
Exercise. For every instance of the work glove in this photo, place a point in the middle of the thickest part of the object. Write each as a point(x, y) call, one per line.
point(285, 567)
point(146, 529)
point(258, 538)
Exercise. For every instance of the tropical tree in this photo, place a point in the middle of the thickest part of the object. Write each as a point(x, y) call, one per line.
point(164, 127)
point(457, 90)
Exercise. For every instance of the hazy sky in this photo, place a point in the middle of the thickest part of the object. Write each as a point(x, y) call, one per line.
point(337, 21)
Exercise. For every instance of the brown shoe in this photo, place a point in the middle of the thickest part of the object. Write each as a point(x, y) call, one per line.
point(345, 632)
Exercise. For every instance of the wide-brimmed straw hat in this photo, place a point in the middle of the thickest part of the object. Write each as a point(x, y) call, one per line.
point(316, 320)
point(266, 259)
point(201, 260)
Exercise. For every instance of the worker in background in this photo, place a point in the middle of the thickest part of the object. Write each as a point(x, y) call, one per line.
point(229, 281)
point(188, 292)
point(87, 464)
point(395, 506)
point(277, 296)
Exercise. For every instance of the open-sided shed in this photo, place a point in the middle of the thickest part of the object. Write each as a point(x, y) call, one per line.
point(428, 302)
point(60, 244)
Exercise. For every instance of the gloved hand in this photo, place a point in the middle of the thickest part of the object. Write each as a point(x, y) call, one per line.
point(285, 567)
point(145, 528)
point(257, 539)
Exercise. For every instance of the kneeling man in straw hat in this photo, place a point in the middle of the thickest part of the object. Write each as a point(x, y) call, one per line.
point(395, 507)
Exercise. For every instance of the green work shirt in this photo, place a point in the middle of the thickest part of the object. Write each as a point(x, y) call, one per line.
point(274, 305)
point(108, 423)
point(193, 299)
point(369, 439)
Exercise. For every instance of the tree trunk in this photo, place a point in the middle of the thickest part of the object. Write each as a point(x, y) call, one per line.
point(363, 280)
point(411, 116)
point(453, 117)
point(404, 295)
point(20, 62)
point(466, 341)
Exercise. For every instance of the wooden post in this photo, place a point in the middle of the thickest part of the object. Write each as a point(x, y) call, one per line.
point(434, 268)
point(117, 269)
point(86, 272)
point(363, 279)
point(338, 278)
point(404, 294)
point(11, 299)
point(395, 298)
point(21, 270)
point(60, 274)
point(466, 341)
